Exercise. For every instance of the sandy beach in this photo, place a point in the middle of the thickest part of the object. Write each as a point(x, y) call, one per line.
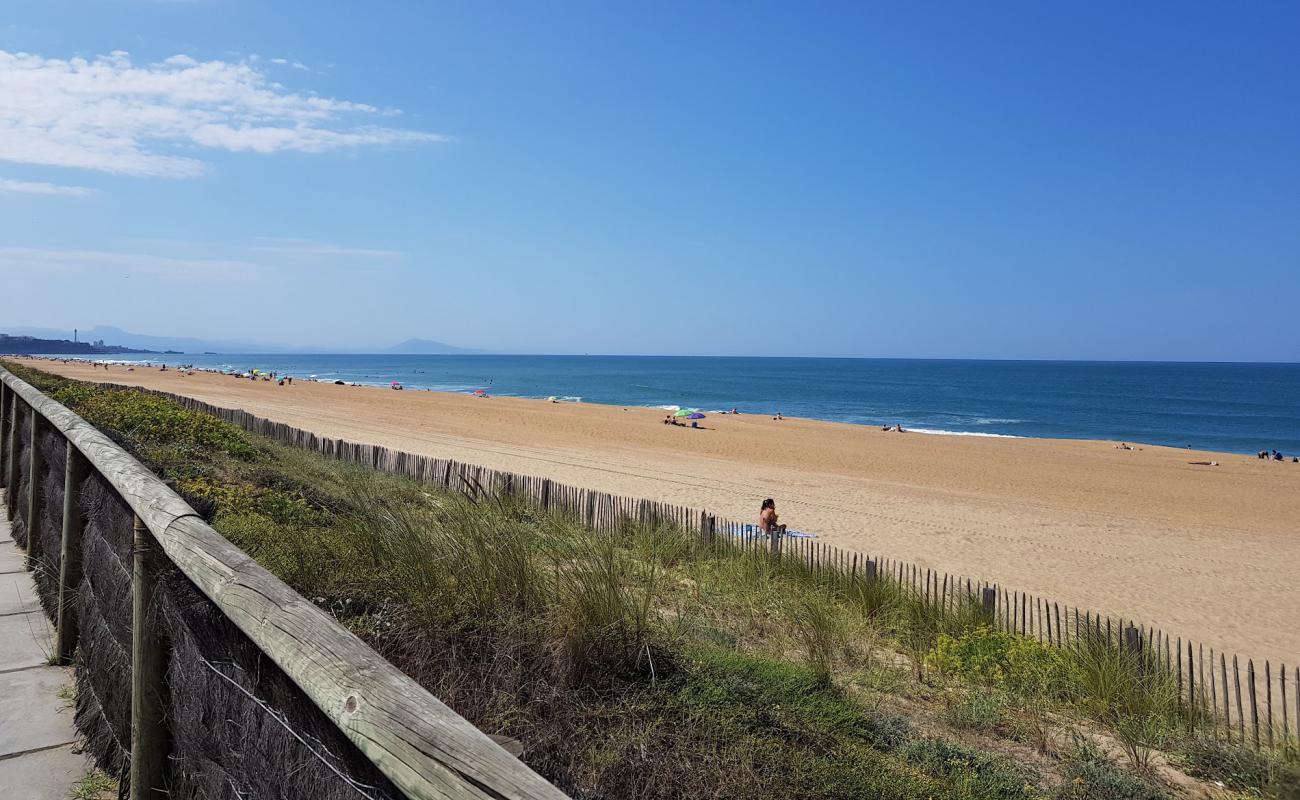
point(1206, 552)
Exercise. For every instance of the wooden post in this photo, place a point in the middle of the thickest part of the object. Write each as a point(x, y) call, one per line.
point(148, 671)
point(775, 535)
point(1200, 668)
point(35, 489)
point(1254, 707)
point(1286, 724)
point(546, 494)
point(1132, 641)
point(66, 624)
point(1268, 702)
point(1223, 675)
point(989, 600)
point(5, 403)
point(1241, 716)
point(11, 459)
point(871, 568)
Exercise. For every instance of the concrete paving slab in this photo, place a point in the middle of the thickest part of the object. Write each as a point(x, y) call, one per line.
point(17, 594)
point(11, 558)
point(26, 640)
point(33, 716)
point(45, 775)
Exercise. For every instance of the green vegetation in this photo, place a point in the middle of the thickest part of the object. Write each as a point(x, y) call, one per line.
point(1270, 774)
point(94, 785)
point(1091, 775)
point(646, 664)
point(67, 695)
point(973, 710)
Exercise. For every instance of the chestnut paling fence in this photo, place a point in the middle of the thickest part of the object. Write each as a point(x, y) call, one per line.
point(1222, 694)
point(200, 674)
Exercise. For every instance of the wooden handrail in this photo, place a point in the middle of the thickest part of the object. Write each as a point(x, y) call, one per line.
point(422, 746)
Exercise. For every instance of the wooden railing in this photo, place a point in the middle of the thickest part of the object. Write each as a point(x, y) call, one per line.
point(412, 739)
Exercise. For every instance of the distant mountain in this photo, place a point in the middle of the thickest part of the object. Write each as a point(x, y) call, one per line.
point(427, 347)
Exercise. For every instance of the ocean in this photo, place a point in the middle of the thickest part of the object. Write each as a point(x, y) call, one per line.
point(1241, 408)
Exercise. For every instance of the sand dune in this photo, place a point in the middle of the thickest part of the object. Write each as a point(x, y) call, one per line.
point(1206, 552)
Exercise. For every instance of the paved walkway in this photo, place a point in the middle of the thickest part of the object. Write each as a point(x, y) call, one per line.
point(37, 737)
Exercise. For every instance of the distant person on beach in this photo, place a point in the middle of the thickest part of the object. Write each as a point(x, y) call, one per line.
point(767, 516)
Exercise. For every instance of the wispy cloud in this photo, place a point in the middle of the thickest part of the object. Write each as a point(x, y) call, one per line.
point(306, 248)
point(125, 265)
point(108, 114)
point(284, 62)
point(40, 187)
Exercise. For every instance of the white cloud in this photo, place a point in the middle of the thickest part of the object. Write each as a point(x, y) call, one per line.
point(125, 265)
point(110, 115)
point(40, 187)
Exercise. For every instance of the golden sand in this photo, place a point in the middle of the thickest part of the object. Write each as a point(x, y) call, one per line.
point(1206, 552)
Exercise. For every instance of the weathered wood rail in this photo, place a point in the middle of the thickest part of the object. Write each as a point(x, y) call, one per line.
point(420, 745)
point(1264, 711)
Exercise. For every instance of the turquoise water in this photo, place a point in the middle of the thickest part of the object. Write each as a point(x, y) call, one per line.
point(1227, 407)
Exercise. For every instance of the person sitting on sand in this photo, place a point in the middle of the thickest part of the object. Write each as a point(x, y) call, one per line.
point(767, 516)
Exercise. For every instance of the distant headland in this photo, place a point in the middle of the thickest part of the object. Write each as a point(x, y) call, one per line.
point(29, 345)
point(111, 340)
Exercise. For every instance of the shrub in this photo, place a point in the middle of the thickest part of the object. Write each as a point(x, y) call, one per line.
point(973, 710)
point(1241, 767)
point(1090, 775)
point(1015, 662)
point(975, 774)
point(155, 420)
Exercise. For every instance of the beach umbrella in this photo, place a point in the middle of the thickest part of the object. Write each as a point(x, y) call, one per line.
point(480, 392)
point(696, 415)
point(684, 412)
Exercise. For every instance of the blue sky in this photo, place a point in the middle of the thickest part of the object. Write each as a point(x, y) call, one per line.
point(914, 180)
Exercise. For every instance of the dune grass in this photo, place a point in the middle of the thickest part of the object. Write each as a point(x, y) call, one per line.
point(647, 664)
